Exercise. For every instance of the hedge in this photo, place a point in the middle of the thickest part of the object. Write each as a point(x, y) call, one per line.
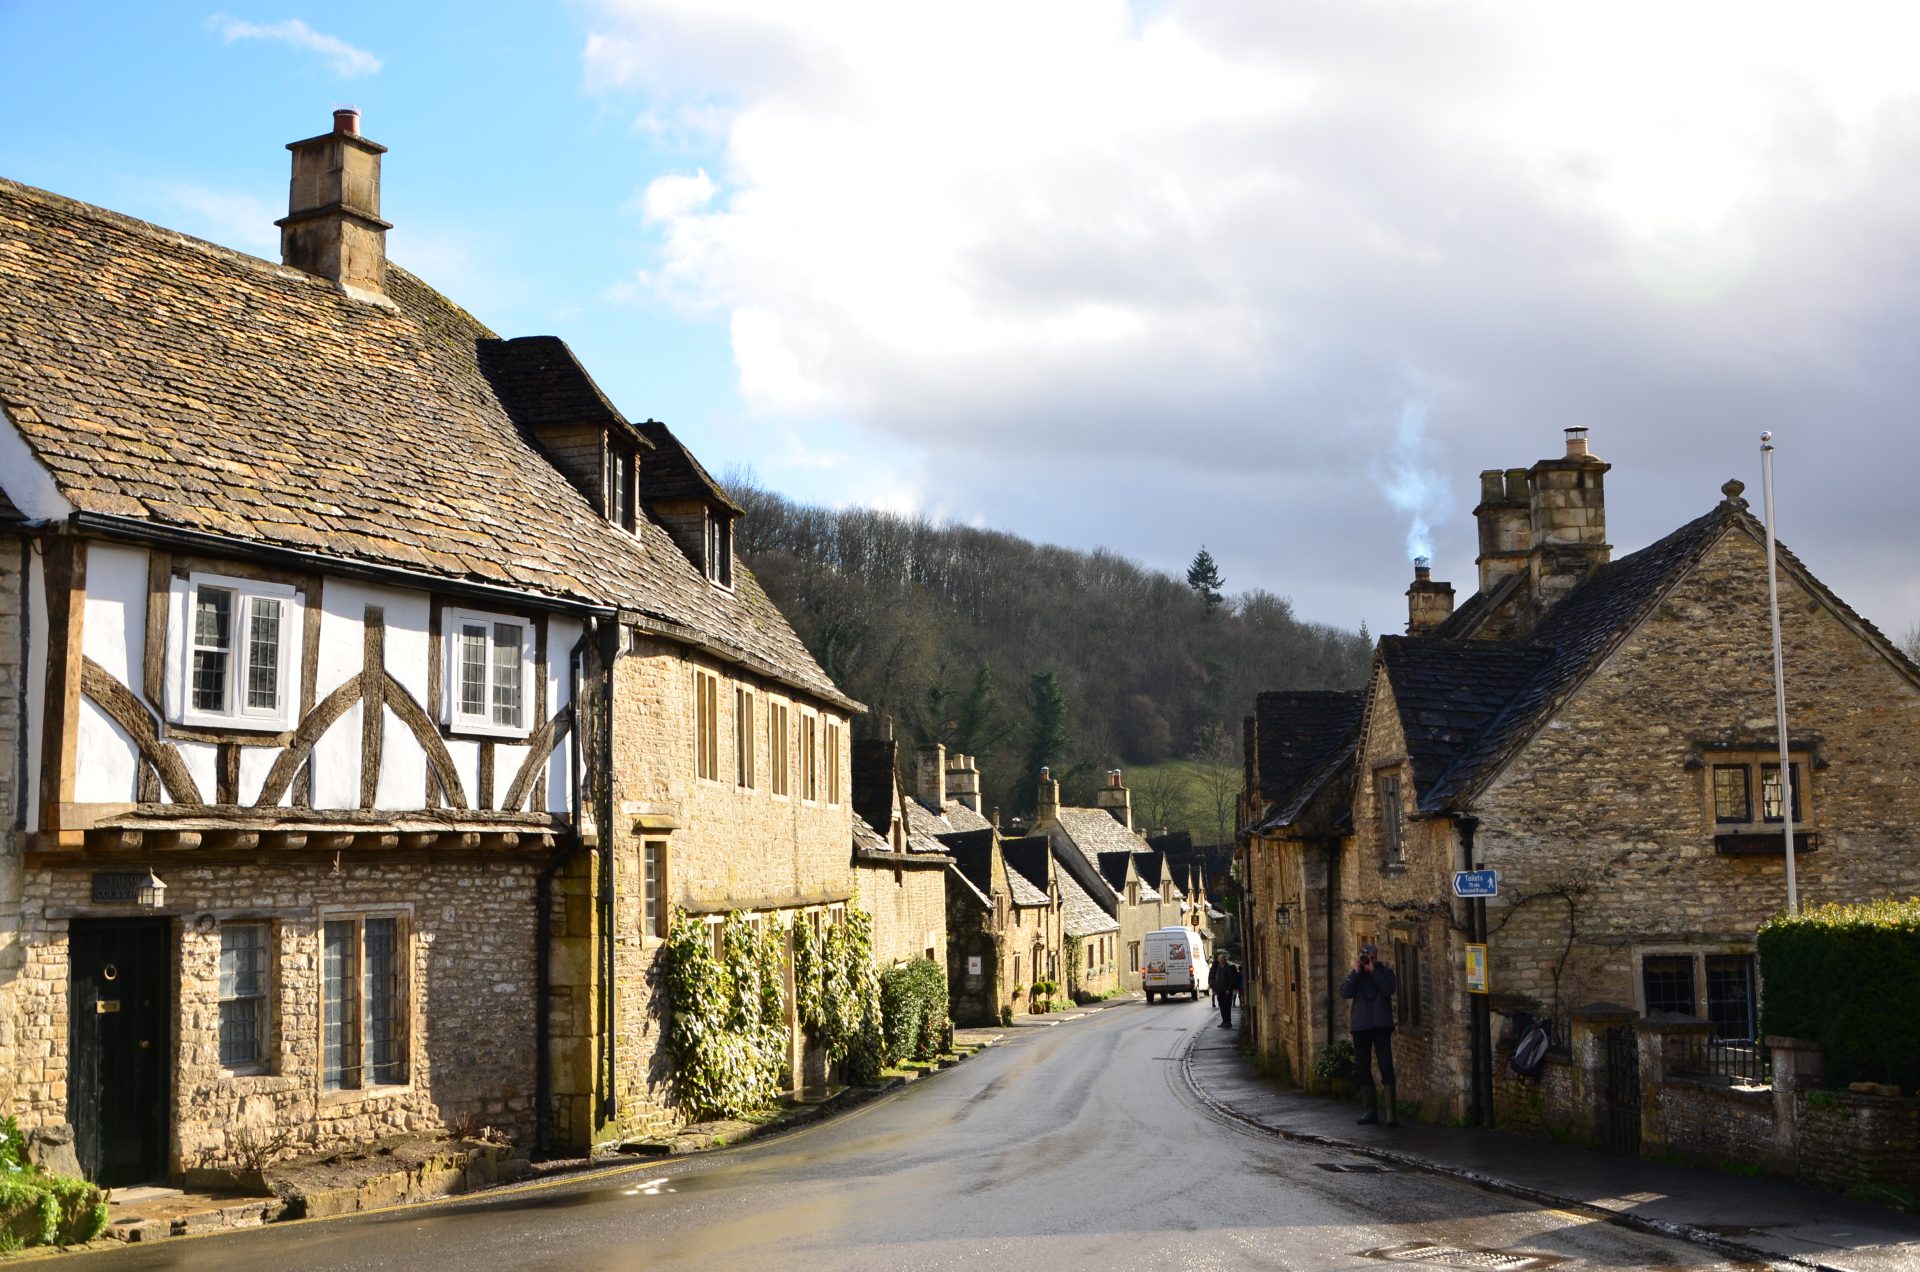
point(1848, 977)
point(913, 1010)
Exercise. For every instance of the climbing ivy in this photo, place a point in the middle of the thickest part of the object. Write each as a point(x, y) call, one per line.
point(838, 993)
point(728, 1038)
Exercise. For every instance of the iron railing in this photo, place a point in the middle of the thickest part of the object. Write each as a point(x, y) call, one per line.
point(1740, 1061)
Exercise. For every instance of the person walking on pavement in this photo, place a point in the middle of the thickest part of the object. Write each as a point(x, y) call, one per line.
point(1370, 986)
point(1226, 983)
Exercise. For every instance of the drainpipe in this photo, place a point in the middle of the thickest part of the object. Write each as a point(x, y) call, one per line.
point(543, 921)
point(609, 634)
point(1480, 1014)
point(1333, 926)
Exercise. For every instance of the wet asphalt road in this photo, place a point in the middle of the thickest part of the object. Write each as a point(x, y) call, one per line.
point(1078, 1146)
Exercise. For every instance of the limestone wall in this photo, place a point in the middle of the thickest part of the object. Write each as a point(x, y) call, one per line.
point(1604, 798)
point(13, 656)
point(909, 909)
point(470, 990)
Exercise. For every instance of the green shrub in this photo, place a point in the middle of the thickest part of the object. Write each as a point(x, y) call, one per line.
point(1335, 1063)
point(42, 1209)
point(1848, 977)
point(913, 1009)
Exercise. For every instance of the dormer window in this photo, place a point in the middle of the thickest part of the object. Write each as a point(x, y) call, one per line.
point(719, 547)
point(622, 484)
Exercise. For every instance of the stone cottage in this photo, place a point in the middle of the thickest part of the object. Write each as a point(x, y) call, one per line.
point(1601, 733)
point(1100, 850)
point(362, 681)
point(900, 877)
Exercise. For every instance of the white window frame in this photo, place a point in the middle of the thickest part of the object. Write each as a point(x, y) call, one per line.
point(184, 593)
point(263, 1019)
point(451, 622)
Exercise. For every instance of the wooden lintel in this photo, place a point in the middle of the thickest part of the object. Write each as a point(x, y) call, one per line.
point(283, 840)
point(378, 841)
point(235, 840)
point(500, 840)
point(330, 841)
point(174, 840)
point(112, 839)
point(415, 840)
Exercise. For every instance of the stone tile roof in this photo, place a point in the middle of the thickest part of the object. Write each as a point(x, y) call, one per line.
point(672, 472)
point(1294, 729)
point(541, 383)
point(1576, 635)
point(1027, 859)
point(1446, 693)
point(926, 831)
point(1094, 831)
point(169, 382)
point(1080, 914)
point(867, 840)
point(923, 821)
point(961, 817)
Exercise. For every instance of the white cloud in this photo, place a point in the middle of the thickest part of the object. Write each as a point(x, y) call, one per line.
point(1216, 241)
point(346, 60)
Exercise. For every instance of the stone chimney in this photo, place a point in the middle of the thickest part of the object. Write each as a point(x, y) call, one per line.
point(1048, 808)
point(333, 228)
point(1569, 522)
point(963, 780)
point(930, 775)
point(1116, 799)
point(1428, 603)
point(1505, 515)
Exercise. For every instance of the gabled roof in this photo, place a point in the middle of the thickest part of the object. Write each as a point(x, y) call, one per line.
point(1446, 692)
point(1080, 914)
point(1094, 831)
point(1150, 863)
point(1113, 868)
point(972, 853)
point(1569, 643)
point(962, 817)
point(1294, 729)
point(169, 384)
point(1027, 859)
point(672, 472)
point(542, 384)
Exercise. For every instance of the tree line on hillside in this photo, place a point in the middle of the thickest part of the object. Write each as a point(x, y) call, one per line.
point(1028, 655)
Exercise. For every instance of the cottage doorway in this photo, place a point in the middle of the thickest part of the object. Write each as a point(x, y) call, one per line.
point(120, 1004)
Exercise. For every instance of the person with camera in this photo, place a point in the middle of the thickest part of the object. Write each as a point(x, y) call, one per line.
point(1225, 982)
point(1370, 986)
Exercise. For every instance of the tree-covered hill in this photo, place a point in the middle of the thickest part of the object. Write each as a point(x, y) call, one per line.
point(1025, 654)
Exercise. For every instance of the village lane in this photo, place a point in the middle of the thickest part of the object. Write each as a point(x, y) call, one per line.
point(1078, 1146)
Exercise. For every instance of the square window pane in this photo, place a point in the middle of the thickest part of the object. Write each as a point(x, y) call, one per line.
point(243, 959)
point(1669, 984)
point(506, 674)
point(1732, 798)
point(240, 1031)
point(1771, 802)
point(263, 654)
point(212, 647)
point(1730, 996)
point(473, 669)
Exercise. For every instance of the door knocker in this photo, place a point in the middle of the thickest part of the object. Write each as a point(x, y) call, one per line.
point(110, 972)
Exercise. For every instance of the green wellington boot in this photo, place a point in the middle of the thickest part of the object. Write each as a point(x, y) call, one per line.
point(1370, 1100)
point(1393, 1105)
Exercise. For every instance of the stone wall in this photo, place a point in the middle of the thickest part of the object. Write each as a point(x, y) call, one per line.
point(1541, 1105)
point(728, 847)
point(13, 661)
point(1707, 1121)
point(909, 908)
point(1850, 1141)
point(1607, 811)
point(470, 992)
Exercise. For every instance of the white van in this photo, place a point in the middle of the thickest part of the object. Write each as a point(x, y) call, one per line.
point(1176, 963)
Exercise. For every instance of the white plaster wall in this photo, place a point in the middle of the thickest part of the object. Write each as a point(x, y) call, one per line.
point(341, 636)
point(106, 761)
point(203, 761)
point(114, 631)
point(255, 763)
point(466, 762)
point(561, 637)
point(36, 585)
point(336, 762)
point(29, 483)
point(403, 766)
point(506, 767)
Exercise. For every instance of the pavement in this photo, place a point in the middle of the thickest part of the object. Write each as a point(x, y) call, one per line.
point(1770, 1219)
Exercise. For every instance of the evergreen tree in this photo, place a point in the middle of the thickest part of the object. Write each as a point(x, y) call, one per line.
point(981, 726)
point(1203, 576)
point(1048, 742)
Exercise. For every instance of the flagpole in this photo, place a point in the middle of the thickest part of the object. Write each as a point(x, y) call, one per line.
point(1779, 678)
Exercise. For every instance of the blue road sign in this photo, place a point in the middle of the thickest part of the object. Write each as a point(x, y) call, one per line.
point(1476, 883)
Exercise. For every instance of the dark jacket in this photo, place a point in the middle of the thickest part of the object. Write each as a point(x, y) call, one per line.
point(1372, 995)
point(1226, 980)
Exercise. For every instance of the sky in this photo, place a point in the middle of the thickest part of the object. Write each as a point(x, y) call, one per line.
point(1278, 279)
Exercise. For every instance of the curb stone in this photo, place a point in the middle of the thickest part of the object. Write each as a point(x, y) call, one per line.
point(1717, 1242)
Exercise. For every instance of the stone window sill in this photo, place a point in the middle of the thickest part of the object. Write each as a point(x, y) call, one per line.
point(365, 1095)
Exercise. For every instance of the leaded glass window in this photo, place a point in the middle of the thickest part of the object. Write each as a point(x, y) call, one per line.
point(490, 674)
point(1732, 793)
point(243, 994)
point(1668, 981)
point(363, 1028)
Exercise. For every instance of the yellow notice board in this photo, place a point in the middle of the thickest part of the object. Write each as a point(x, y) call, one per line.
point(1476, 969)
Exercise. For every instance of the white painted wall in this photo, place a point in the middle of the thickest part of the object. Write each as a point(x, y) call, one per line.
point(114, 629)
point(466, 762)
point(106, 766)
point(29, 483)
point(255, 763)
point(203, 761)
point(403, 765)
point(336, 762)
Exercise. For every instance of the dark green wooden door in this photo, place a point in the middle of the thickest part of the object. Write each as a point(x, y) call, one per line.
point(121, 1012)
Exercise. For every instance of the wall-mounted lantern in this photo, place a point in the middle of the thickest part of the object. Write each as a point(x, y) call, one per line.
point(152, 893)
point(1283, 916)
